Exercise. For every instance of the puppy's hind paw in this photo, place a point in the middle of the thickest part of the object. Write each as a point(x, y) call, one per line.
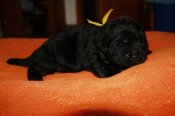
point(34, 75)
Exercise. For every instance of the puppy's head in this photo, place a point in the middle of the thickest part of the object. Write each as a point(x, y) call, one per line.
point(123, 43)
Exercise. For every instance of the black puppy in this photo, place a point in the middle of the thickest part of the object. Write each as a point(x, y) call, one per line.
point(105, 50)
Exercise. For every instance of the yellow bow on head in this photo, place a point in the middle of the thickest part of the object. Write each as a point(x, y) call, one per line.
point(104, 20)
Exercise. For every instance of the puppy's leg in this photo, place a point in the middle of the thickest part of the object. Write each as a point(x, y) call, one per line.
point(33, 74)
point(102, 70)
point(36, 72)
point(41, 65)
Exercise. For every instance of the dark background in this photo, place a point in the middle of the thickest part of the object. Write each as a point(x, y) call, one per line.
point(42, 18)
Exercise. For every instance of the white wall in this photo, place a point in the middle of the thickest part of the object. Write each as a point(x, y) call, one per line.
point(70, 9)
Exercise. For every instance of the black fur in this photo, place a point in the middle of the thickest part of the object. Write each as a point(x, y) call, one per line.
point(105, 50)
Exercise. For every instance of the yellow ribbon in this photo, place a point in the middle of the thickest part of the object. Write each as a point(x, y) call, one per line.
point(104, 20)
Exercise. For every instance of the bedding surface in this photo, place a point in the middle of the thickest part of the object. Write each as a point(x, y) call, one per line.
point(145, 89)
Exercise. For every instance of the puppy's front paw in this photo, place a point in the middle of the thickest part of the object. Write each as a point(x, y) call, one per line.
point(34, 75)
point(102, 73)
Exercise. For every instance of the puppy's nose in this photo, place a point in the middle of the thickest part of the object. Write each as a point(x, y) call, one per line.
point(133, 54)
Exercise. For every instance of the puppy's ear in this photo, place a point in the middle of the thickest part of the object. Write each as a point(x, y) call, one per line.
point(149, 52)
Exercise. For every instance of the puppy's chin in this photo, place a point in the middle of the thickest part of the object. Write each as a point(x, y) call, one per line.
point(123, 62)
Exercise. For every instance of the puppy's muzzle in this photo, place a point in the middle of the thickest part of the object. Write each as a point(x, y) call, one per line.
point(133, 54)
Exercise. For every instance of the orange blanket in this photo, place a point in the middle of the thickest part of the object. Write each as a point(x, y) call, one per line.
point(145, 89)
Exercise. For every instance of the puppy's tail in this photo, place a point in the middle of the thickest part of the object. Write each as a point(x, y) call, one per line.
point(18, 61)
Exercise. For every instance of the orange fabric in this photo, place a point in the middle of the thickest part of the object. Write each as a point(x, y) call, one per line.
point(148, 88)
